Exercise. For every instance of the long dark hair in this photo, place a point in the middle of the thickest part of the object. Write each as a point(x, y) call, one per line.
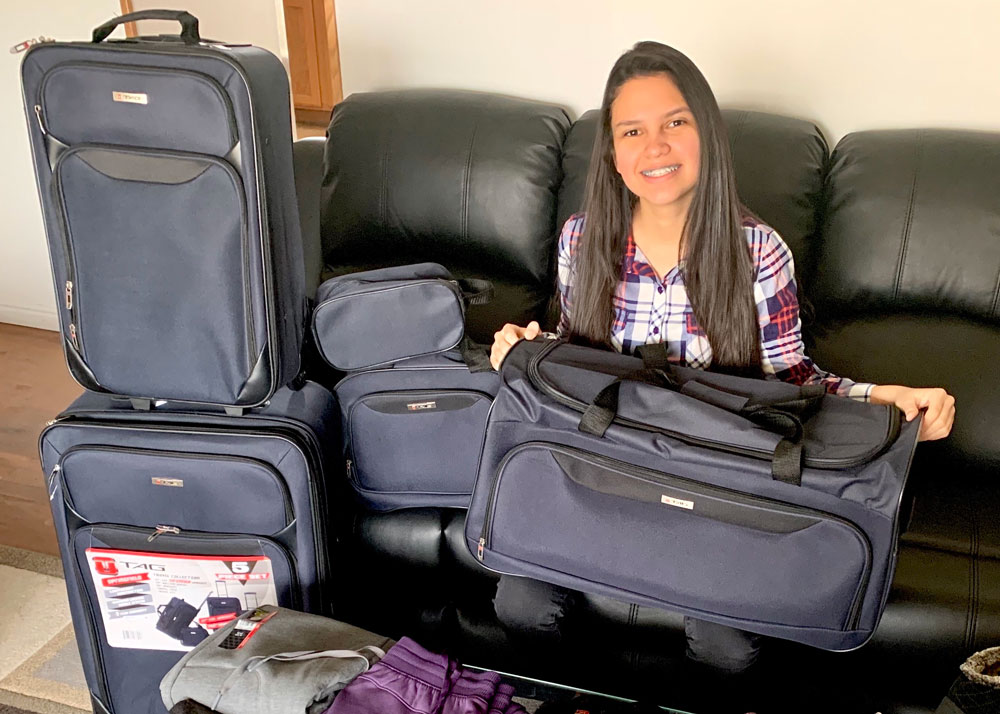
point(718, 271)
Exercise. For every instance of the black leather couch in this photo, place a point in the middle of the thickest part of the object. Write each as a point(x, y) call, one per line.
point(897, 244)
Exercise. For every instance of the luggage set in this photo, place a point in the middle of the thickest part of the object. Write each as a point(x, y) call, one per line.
point(190, 483)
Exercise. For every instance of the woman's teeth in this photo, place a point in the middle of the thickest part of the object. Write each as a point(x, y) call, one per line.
point(656, 173)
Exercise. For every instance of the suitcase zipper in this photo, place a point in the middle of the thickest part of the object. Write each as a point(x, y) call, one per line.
point(179, 535)
point(160, 530)
point(140, 69)
point(72, 304)
point(317, 491)
point(539, 382)
point(485, 536)
point(278, 481)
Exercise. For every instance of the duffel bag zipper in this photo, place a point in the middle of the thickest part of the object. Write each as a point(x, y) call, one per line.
point(539, 382)
point(316, 489)
point(250, 344)
point(485, 536)
point(275, 478)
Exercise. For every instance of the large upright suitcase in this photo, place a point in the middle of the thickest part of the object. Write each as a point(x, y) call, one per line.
point(752, 503)
point(164, 171)
point(170, 522)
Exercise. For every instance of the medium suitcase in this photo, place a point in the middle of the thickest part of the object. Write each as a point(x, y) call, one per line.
point(751, 503)
point(164, 171)
point(413, 431)
point(170, 523)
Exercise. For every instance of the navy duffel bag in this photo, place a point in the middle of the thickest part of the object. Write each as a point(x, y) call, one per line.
point(751, 503)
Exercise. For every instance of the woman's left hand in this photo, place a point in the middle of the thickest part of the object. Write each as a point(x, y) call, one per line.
point(940, 406)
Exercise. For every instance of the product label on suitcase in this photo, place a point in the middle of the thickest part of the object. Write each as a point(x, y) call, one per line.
point(158, 601)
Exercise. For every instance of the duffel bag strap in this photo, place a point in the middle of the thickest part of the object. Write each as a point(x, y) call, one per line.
point(475, 291)
point(781, 418)
point(599, 414)
point(475, 356)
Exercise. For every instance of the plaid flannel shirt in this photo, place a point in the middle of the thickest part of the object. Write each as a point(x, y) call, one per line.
point(649, 309)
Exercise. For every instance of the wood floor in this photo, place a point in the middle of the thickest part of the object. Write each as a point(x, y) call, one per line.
point(34, 387)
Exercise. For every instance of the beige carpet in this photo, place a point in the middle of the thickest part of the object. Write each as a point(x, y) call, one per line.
point(40, 668)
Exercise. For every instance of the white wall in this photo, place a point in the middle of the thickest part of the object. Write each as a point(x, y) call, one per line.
point(26, 294)
point(258, 22)
point(847, 65)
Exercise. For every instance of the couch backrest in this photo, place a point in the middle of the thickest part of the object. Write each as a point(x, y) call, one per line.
point(896, 237)
point(908, 274)
point(465, 179)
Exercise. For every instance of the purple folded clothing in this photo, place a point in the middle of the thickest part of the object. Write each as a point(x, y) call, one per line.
point(411, 680)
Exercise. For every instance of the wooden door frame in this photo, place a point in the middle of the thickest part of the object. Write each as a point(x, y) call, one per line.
point(130, 28)
point(331, 86)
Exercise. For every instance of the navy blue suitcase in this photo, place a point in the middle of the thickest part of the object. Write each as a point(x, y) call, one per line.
point(164, 170)
point(131, 490)
point(751, 503)
point(413, 431)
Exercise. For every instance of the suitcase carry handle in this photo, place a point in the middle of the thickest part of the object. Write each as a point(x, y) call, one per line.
point(189, 24)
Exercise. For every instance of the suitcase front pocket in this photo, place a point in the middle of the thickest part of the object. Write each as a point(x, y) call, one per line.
point(153, 242)
point(98, 103)
point(201, 492)
point(419, 441)
point(146, 603)
point(676, 540)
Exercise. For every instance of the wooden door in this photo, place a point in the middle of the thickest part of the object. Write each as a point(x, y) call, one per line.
point(311, 27)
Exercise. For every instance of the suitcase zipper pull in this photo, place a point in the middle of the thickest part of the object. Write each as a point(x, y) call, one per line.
point(69, 294)
point(482, 546)
point(160, 530)
point(52, 480)
point(41, 122)
point(72, 337)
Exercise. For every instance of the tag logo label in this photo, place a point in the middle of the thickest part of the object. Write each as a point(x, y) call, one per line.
point(677, 502)
point(420, 406)
point(130, 97)
point(175, 482)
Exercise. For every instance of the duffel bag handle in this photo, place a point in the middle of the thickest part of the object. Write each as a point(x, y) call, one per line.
point(781, 418)
point(189, 24)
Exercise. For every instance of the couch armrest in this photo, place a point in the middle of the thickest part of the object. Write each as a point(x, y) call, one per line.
point(307, 158)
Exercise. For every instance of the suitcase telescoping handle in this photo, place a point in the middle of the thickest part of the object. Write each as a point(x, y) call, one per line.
point(189, 24)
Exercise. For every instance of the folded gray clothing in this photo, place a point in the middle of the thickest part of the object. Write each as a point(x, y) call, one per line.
point(292, 663)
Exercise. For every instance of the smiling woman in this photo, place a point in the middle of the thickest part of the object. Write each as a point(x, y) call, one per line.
point(665, 252)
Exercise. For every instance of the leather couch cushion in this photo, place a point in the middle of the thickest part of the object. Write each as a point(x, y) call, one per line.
point(465, 179)
point(912, 224)
point(926, 351)
point(779, 163)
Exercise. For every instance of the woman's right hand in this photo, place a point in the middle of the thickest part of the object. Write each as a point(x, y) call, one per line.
point(507, 336)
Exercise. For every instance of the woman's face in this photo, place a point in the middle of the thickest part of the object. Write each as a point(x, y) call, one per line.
point(656, 142)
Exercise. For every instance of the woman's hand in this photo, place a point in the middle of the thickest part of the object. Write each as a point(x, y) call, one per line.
point(507, 336)
point(939, 404)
